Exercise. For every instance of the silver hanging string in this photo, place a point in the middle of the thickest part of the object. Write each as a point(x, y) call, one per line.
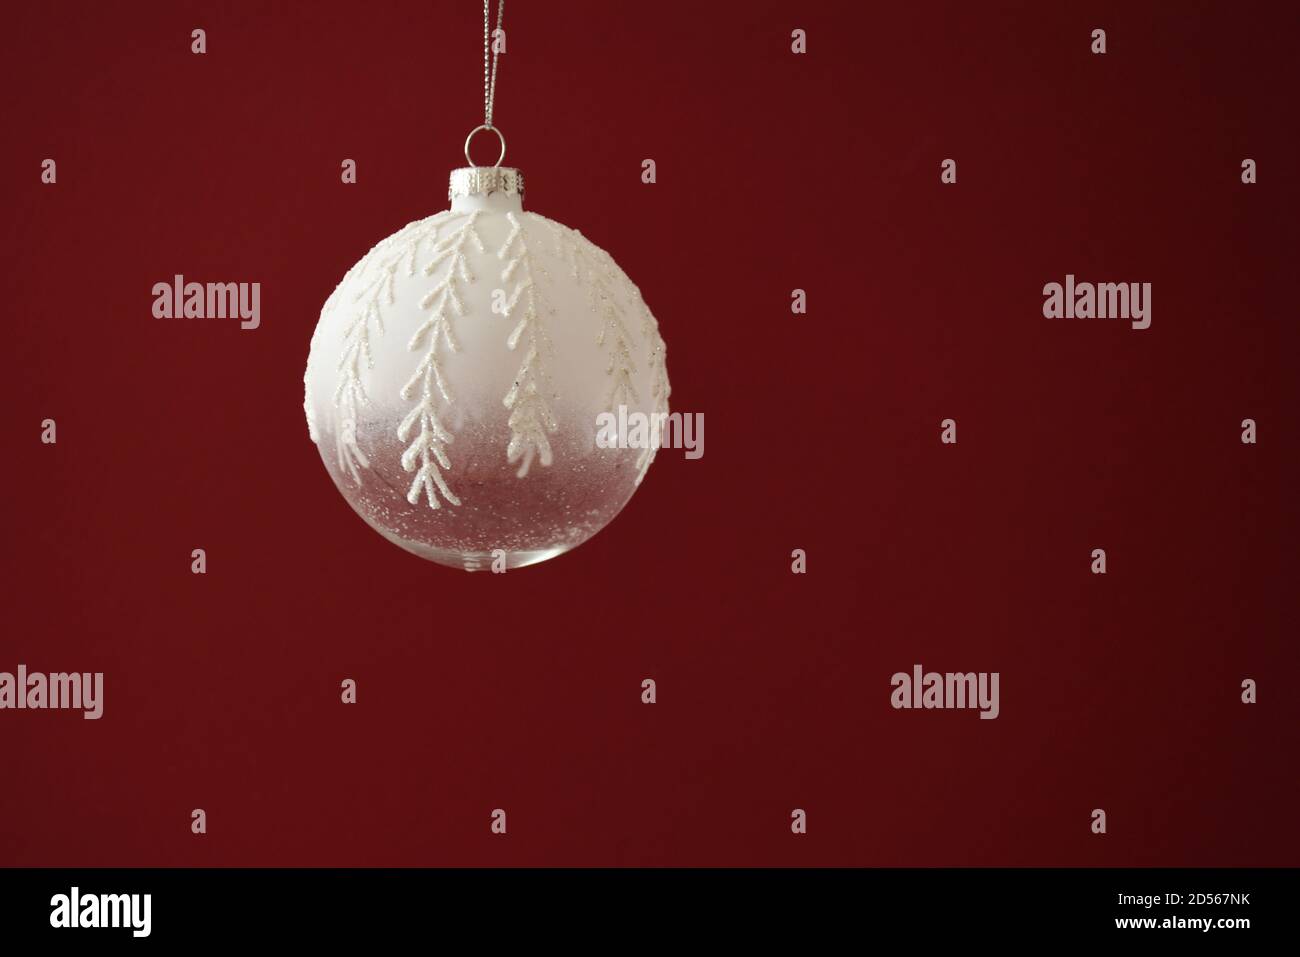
point(490, 55)
point(490, 76)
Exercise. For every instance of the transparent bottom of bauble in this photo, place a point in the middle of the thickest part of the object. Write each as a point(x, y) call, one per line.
point(502, 517)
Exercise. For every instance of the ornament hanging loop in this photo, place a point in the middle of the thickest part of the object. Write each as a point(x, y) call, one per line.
point(474, 132)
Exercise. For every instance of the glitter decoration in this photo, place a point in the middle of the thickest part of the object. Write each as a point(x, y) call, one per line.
point(378, 269)
point(530, 415)
point(429, 446)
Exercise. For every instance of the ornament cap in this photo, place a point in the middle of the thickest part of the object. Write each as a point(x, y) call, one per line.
point(485, 181)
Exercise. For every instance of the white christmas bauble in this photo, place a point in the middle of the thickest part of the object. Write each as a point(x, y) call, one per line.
point(458, 376)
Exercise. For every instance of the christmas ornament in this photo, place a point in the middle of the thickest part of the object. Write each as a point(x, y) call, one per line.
point(457, 374)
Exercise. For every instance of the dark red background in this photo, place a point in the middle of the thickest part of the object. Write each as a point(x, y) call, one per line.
point(775, 171)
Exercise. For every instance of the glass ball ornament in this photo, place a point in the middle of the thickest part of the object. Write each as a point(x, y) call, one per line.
point(458, 375)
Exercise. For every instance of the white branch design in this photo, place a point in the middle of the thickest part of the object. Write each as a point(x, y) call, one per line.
point(368, 301)
point(530, 416)
point(426, 455)
point(308, 405)
point(601, 273)
point(659, 387)
point(659, 392)
point(621, 367)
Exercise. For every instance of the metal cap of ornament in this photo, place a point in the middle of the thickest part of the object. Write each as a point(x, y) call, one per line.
point(484, 181)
